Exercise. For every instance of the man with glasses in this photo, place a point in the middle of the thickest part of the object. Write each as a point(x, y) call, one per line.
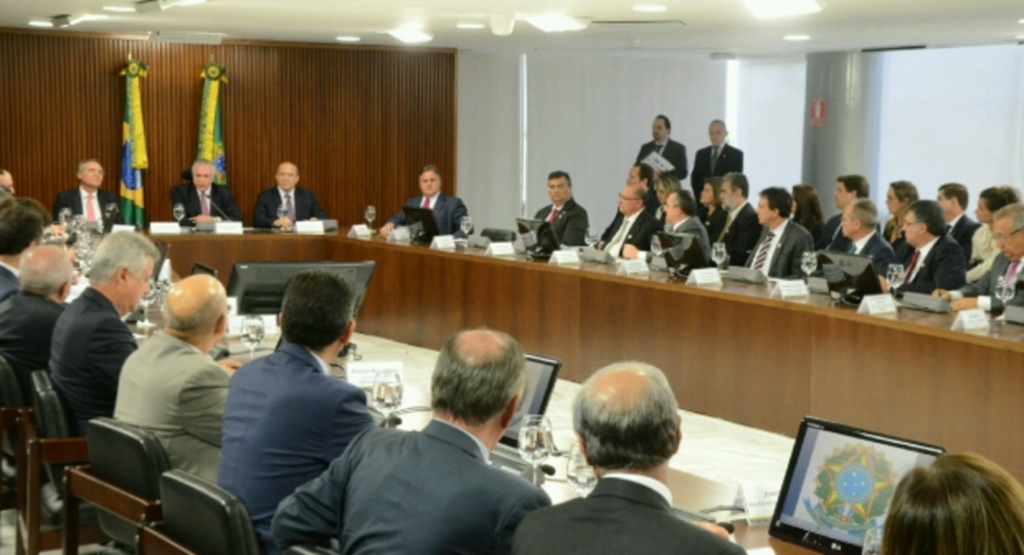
point(568, 219)
point(1007, 227)
point(931, 258)
point(631, 231)
point(87, 199)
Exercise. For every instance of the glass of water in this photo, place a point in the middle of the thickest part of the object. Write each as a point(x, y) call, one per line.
point(535, 442)
point(895, 276)
point(282, 212)
point(147, 303)
point(370, 215)
point(873, 541)
point(591, 238)
point(253, 331)
point(809, 263)
point(719, 254)
point(387, 395)
point(656, 248)
point(579, 473)
point(466, 223)
point(108, 210)
point(64, 218)
point(178, 212)
point(1004, 292)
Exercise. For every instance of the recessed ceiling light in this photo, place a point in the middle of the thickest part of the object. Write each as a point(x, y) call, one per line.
point(125, 9)
point(348, 38)
point(190, 2)
point(767, 9)
point(1018, 37)
point(555, 23)
point(796, 37)
point(88, 17)
point(411, 36)
point(649, 8)
point(41, 23)
point(470, 25)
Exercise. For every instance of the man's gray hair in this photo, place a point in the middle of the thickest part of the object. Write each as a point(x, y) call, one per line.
point(81, 165)
point(202, 162)
point(122, 250)
point(1015, 211)
point(865, 211)
point(632, 433)
point(476, 391)
point(44, 273)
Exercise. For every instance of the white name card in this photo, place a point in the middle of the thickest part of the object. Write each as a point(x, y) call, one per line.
point(565, 258)
point(973, 320)
point(359, 231)
point(310, 227)
point(658, 162)
point(500, 249)
point(633, 268)
point(1014, 315)
point(228, 228)
point(876, 305)
point(705, 277)
point(118, 228)
point(759, 500)
point(787, 289)
point(232, 306)
point(399, 235)
point(362, 374)
point(443, 242)
point(164, 228)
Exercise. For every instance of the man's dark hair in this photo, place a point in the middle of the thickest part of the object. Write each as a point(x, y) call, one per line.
point(668, 124)
point(854, 183)
point(558, 174)
point(317, 308)
point(431, 168)
point(739, 182)
point(779, 199)
point(999, 196)
point(646, 173)
point(684, 200)
point(21, 222)
point(929, 213)
point(955, 191)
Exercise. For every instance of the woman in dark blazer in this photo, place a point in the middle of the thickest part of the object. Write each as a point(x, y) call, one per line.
point(807, 210)
point(901, 194)
point(712, 213)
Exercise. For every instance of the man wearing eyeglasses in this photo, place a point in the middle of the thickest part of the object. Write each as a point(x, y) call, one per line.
point(931, 258)
point(1007, 228)
point(631, 231)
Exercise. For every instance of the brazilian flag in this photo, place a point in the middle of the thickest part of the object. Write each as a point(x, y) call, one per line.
point(211, 140)
point(133, 147)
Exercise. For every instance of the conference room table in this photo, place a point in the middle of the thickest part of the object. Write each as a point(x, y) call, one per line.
point(729, 352)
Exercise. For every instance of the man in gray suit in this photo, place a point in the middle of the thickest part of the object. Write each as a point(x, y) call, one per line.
point(1007, 228)
point(680, 209)
point(782, 244)
point(428, 492)
point(172, 388)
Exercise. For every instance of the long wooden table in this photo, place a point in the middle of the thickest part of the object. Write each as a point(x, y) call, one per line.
point(731, 353)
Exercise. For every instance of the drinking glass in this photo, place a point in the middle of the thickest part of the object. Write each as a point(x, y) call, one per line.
point(64, 218)
point(535, 442)
point(387, 394)
point(809, 263)
point(77, 222)
point(108, 210)
point(895, 277)
point(253, 332)
point(591, 238)
point(147, 302)
point(178, 212)
point(873, 541)
point(719, 254)
point(370, 215)
point(580, 475)
point(282, 212)
point(467, 224)
point(656, 248)
point(1004, 292)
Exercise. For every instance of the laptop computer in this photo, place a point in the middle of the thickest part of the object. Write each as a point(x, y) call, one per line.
point(541, 377)
point(839, 483)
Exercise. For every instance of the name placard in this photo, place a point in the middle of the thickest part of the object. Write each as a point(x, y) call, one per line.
point(633, 268)
point(310, 227)
point(565, 258)
point(497, 248)
point(228, 228)
point(927, 303)
point(362, 374)
point(120, 228)
point(443, 243)
point(705, 277)
point(399, 235)
point(1014, 314)
point(787, 289)
point(478, 241)
point(164, 228)
point(359, 231)
point(973, 320)
point(818, 285)
point(742, 273)
point(877, 305)
point(759, 499)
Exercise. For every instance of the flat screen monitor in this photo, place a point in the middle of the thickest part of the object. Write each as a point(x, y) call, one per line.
point(538, 237)
point(682, 252)
point(839, 483)
point(850, 276)
point(541, 376)
point(199, 269)
point(421, 223)
point(259, 286)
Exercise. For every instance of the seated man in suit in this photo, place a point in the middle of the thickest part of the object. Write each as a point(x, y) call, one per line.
point(27, 319)
point(673, 152)
point(21, 227)
point(286, 418)
point(631, 231)
point(931, 258)
point(742, 229)
point(568, 219)
point(1007, 224)
point(716, 160)
point(849, 188)
point(628, 425)
point(202, 201)
point(783, 243)
point(448, 211)
point(953, 199)
point(860, 228)
point(681, 217)
point(91, 341)
point(429, 492)
point(300, 203)
point(172, 388)
point(87, 199)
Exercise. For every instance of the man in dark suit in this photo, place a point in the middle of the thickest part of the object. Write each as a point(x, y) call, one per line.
point(27, 319)
point(202, 201)
point(931, 258)
point(568, 219)
point(782, 244)
point(716, 160)
point(1007, 226)
point(90, 340)
point(680, 217)
point(21, 227)
point(429, 492)
point(671, 151)
point(742, 230)
point(87, 199)
point(849, 188)
point(860, 228)
point(448, 211)
point(286, 418)
point(953, 199)
point(628, 425)
point(300, 203)
point(631, 231)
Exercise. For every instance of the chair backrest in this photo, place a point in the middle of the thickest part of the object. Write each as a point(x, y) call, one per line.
point(205, 517)
point(10, 386)
point(51, 419)
point(499, 235)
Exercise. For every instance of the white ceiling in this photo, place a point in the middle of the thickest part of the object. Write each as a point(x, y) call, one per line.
point(712, 26)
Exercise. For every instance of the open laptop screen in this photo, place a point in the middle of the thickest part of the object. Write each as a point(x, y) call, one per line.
point(541, 376)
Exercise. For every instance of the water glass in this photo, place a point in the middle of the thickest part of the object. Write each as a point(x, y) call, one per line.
point(895, 276)
point(370, 215)
point(809, 263)
point(535, 442)
point(253, 332)
point(719, 254)
point(873, 541)
point(282, 212)
point(152, 295)
point(108, 210)
point(466, 223)
point(591, 238)
point(64, 218)
point(387, 394)
point(579, 473)
point(656, 248)
point(178, 212)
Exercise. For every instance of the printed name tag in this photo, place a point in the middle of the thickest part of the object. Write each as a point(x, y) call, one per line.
point(818, 285)
point(312, 228)
point(1014, 314)
point(228, 228)
point(362, 374)
point(500, 249)
point(122, 229)
point(399, 235)
point(705, 277)
point(565, 258)
point(973, 320)
point(790, 289)
point(443, 242)
point(759, 500)
point(360, 231)
point(633, 268)
point(164, 228)
point(876, 305)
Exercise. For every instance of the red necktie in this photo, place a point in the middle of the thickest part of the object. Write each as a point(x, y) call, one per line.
point(90, 212)
point(911, 266)
point(553, 215)
point(426, 202)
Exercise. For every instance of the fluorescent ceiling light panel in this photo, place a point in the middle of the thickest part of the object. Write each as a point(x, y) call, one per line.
point(123, 9)
point(190, 2)
point(555, 23)
point(41, 23)
point(348, 38)
point(649, 8)
point(411, 36)
point(796, 37)
point(87, 17)
point(768, 9)
point(470, 25)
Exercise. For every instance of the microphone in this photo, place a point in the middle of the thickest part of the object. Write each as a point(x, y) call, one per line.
point(214, 204)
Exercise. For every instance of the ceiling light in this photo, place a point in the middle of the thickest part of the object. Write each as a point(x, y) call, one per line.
point(649, 8)
point(88, 17)
point(348, 38)
point(189, 2)
point(796, 37)
point(1020, 21)
point(502, 24)
point(41, 23)
point(125, 9)
point(411, 36)
point(767, 9)
point(149, 7)
point(470, 25)
point(555, 23)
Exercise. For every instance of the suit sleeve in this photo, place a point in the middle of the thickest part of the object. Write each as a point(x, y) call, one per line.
point(262, 216)
point(575, 233)
point(680, 163)
point(535, 499)
point(202, 404)
point(458, 212)
point(804, 244)
point(738, 157)
point(317, 212)
point(109, 346)
point(399, 218)
point(178, 196)
point(748, 234)
point(641, 155)
point(350, 419)
point(229, 206)
point(952, 272)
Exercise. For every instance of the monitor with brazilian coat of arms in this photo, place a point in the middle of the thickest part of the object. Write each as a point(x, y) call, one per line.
point(839, 483)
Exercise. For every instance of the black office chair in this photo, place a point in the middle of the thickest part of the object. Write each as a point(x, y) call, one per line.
point(11, 405)
point(499, 235)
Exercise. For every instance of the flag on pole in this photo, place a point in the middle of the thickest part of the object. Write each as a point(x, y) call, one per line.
point(211, 141)
point(133, 147)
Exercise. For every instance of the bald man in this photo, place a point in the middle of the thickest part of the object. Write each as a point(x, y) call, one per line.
point(172, 388)
point(300, 204)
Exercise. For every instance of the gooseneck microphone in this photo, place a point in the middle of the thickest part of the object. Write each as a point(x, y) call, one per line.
point(214, 204)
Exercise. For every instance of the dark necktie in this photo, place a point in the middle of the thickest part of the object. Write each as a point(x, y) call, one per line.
point(714, 158)
point(762, 253)
point(911, 266)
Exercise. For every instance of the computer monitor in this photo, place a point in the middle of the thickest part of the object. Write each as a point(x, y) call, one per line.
point(200, 269)
point(682, 252)
point(839, 483)
point(421, 223)
point(538, 237)
point(259, 286)
point(850, 276)
point(541, 376)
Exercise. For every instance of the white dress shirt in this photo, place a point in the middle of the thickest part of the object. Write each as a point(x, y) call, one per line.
point(920, 259)
point(859, 244)
point(95, 203)
point(651, 483)
point(484, 453)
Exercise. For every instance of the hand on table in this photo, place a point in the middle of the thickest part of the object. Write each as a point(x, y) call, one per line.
point(229, 365)
point(387, 228)
point(202, 218)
